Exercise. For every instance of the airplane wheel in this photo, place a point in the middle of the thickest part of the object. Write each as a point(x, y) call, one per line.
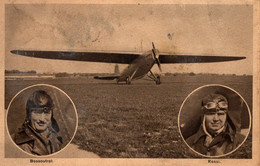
point(128, 81)
point(158, 80)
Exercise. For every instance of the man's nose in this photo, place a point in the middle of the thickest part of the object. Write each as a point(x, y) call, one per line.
point(215, 117)
point(42, 117)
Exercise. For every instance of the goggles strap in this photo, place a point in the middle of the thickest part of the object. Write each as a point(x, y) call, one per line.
point(209, 137)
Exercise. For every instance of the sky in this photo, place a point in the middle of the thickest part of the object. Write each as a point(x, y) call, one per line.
point(217, 30)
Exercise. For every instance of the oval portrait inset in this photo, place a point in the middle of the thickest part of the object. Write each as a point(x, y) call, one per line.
point(41, 120)
point(214, 120)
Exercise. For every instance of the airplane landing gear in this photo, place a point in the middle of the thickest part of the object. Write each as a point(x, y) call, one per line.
point(157, 79)
point(128, 80)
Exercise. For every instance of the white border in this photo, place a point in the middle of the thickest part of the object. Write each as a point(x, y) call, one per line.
point(140, 161)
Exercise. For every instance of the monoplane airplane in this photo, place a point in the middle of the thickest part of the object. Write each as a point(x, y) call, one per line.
point(139, 64)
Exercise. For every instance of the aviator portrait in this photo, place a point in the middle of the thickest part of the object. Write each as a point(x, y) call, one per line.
point(214, 121)
point(41, 120)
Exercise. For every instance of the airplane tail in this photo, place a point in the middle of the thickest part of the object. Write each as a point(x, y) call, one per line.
point(116, 75)
point(116, 71)
point(106, 77)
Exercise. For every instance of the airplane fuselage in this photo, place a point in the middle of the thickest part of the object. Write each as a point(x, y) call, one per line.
point(138, 68)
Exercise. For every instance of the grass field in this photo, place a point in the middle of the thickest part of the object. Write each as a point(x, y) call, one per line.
point(138, 120)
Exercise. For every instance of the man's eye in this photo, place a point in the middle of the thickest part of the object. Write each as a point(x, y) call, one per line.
point(210, 113)
point(37, 112)
point(223, 109)
point(221, 113)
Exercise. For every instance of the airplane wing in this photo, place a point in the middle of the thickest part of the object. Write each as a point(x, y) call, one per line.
point(106, 77)
point(107, 57)
point(123, 58)
point(164, 58)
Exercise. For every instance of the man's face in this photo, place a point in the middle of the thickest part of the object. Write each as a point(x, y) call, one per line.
point(40, 119)
point(215, 120)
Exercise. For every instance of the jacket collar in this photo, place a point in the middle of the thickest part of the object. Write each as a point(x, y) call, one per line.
point(23, 135)
point(229, 132)
point(28, 134)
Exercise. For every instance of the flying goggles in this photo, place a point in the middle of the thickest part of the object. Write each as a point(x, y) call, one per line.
point(41, 110)
point(213, 106)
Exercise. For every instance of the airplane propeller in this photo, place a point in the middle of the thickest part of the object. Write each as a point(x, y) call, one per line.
point(156, 57)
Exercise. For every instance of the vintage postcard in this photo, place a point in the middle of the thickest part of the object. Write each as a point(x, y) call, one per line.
point(130, 83)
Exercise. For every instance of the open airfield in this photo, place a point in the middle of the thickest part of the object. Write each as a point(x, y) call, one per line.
point(138, 120)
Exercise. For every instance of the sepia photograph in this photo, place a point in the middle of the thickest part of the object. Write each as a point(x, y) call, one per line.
point(158, 81)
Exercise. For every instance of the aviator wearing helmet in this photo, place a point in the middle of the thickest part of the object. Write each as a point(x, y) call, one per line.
point(217, 134)
point(39, 132)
